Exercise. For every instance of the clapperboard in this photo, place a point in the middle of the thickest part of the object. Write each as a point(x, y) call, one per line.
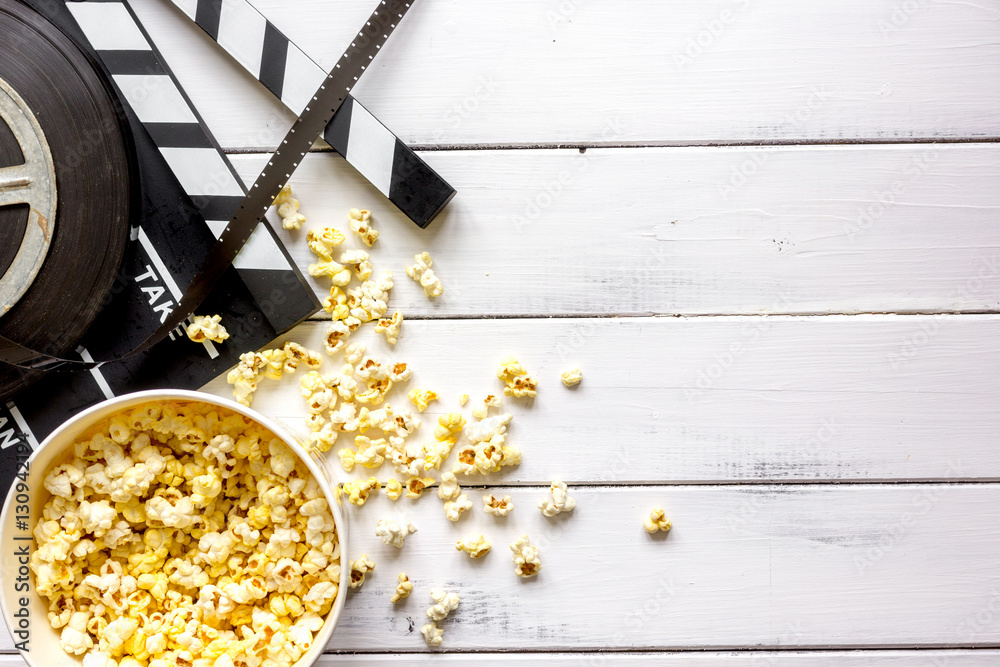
point(190, 190)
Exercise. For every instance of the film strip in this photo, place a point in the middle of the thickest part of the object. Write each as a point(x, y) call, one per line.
point(144, 81)
point(172, 244)
point(285, 70)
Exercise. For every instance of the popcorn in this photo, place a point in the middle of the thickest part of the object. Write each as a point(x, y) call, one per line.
point(359, 225)
point(415, 486)
point(336, 337)
point(393, 489)
point(403, 590)
point(572, 377)
point(359, 262)
point(561, 501)
point(444, 604)
point(322, 241)
point(449, 488)
point(393, 532)
point(433, 635)
point(486, 429)
point(207, 327)
point(526, 562)
point(354, 352)
point(186, 530)
point(336, 304)
point(475, 545)
point(288, 209)
point(453, 508)
point(338, 274)
point(358, 490)
point(269, 363)
point(370, 301)
point(656, 521)
point(491, 401)
point(463, 399)
point(359, 568)
point(448, 425)
point(422, 273)
point(421, 398)
point(519, 383)
point(497, 506)
point(390, 327)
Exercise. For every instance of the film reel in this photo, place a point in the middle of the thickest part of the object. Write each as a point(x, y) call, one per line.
point(64, 149)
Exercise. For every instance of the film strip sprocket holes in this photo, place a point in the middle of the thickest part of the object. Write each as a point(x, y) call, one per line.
point(285, 70)
point(205, 173)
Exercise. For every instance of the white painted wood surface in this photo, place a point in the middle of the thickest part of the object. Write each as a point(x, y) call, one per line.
point(596, 71)
point(764, 437)
point(616, 231)
point(711, 398)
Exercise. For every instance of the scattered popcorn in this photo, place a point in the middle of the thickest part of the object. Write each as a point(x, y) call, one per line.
point(271, 364)
point(453, 509)
point(463, 399)
point(358, 490)
point(421, 398)
point(657, 521)
point(359, 568)
point(448, 426)
point(207, 327)
point(390, 327)
point(338, 274)
point(491, 401)
point(323, 241)
point(526, 562)
point(393, 489)
point(519, 383)
point(288, 209)
point(571, 378)
point(177, 533)
point(358, 261)
point(336, 305)
point(415, 486)
point(336, 337)
point(354, 352)
point(449, 488)
point(475, 545)
point(561, 500)
point(497, 506)
point(444, 604)
point(433, 635)
point(359, 225)
point(394, 532)
point(422, 273)
point(403, 590)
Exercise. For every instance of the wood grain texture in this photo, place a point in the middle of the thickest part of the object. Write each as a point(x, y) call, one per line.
point(586, 72)
point(711, 399)
point(632, 231)
point(770, 566)
point(951, 658)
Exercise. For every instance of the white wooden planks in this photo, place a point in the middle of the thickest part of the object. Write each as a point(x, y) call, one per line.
point(807, 566)
point(670, 230)
point(592, 72)
point(765, 566)
point(712, 398)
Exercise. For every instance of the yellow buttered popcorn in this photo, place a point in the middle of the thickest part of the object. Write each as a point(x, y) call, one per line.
point(497, 506)
point(288, 209)
point(421, 398)
point(572, 377)
point(453, 509)
point(359, 490)
point(359, 569)
point(393, 489)
point(178, 532)
point(207, 327)
point(415, 486)
point(657, 521)
point(476, 545)
point(518, 383)
point(323, 241)
point(358, 261)
point(403, 589)
point(360, 222)
point(390, 327)
point(526, 561)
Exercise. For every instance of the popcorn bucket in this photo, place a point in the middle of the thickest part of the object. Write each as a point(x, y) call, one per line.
point(26, 612)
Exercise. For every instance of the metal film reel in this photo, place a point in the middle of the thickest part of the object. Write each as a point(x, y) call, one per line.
point(33, 183)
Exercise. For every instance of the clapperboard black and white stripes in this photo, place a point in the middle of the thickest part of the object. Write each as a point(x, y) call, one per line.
point(203, 170)
point(285, 70)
